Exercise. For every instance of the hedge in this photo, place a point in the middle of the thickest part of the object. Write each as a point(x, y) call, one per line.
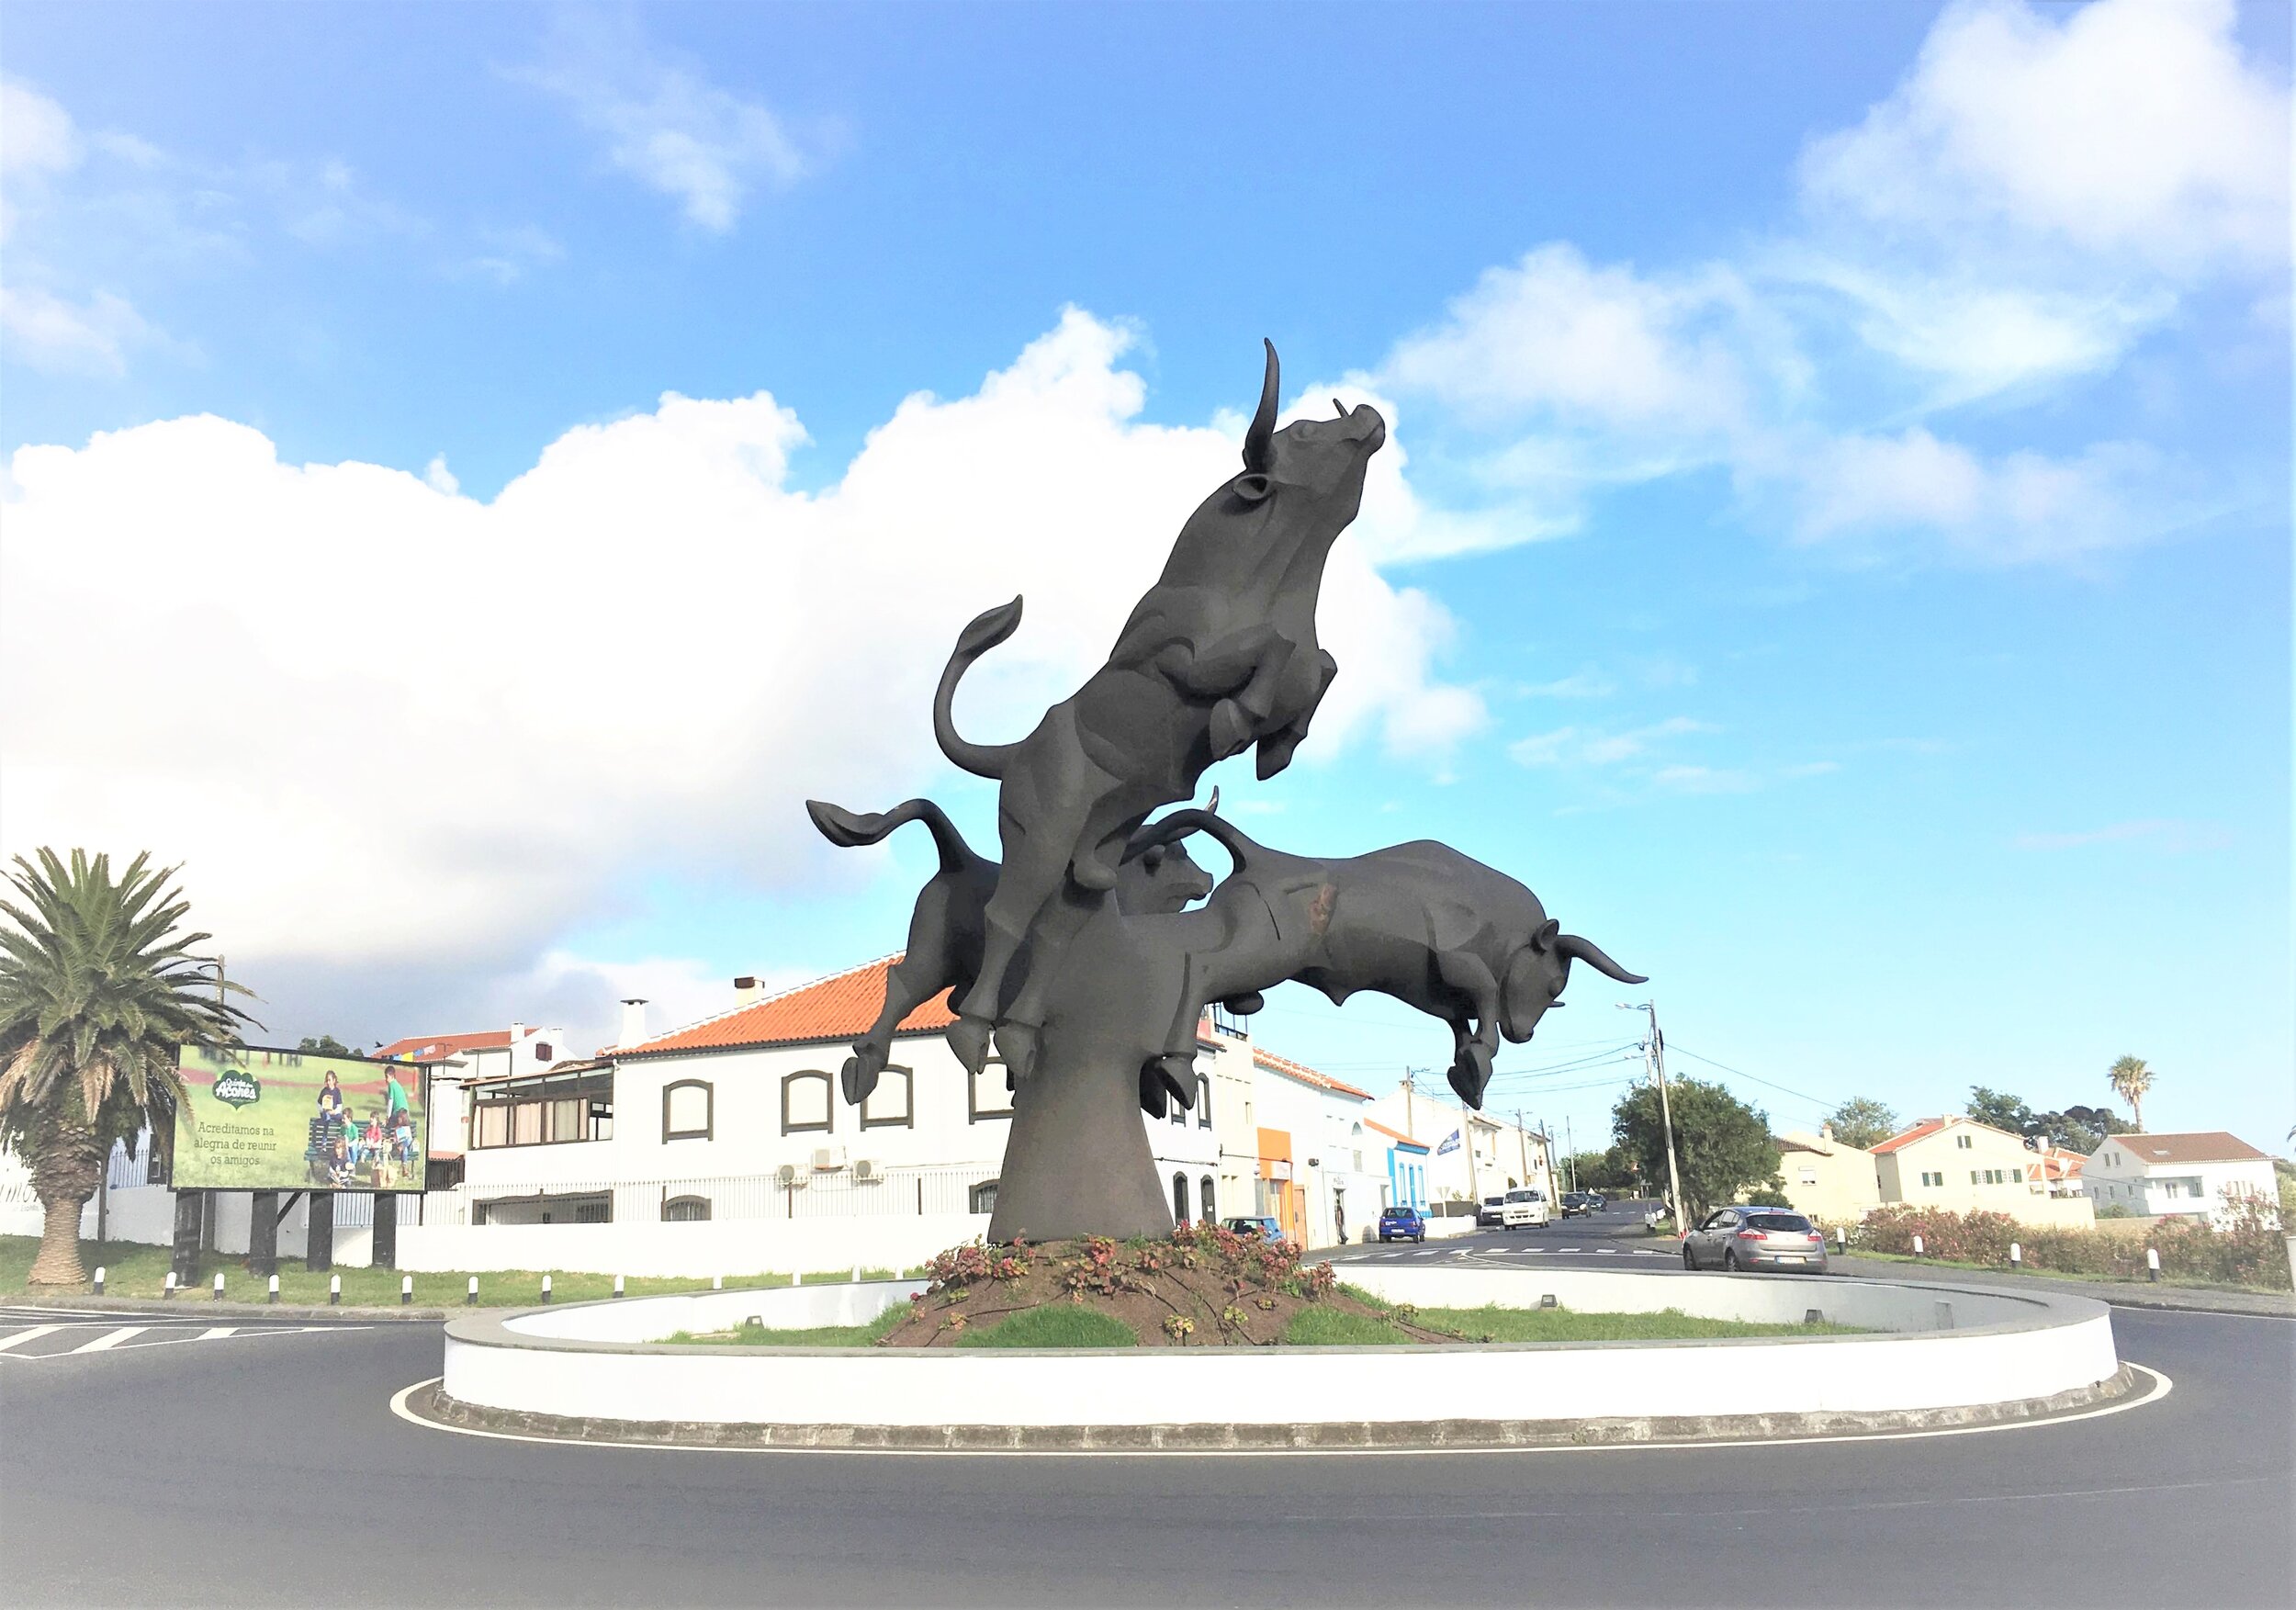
point(2242, 1245)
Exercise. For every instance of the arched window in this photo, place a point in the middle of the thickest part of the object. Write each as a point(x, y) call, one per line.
point(988, 1094)
point(1204, 1200)
point(688, 1110)
point(685, 1211)
point(1355, 1141)
point(892, 1104)
point(1179, 1198)
point(1203, 1106)
point(982, 1198)
point(805, 1103)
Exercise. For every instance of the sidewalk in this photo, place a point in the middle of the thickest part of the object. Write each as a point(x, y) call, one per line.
point(2120, 1293)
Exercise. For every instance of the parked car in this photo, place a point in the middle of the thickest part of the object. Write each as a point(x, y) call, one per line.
point(1491, 1212)
point(1576, 1201)
point(1755, 1238)
point(1596, 1200)
point(1402, 1224)
point(1266, 1229)
point(1525, 1209)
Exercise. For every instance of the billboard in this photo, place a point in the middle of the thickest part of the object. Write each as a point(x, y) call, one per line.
point(258, 1119)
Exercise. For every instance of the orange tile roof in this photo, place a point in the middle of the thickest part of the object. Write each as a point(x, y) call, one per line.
point(1393, 1135)
point(839, 1007)
point(2196, 1146)
point(1928, 1126)
point(1305, 1074)
point(424, 1046)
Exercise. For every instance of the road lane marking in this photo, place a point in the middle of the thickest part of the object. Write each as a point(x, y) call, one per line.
point(34, 1334)
point(2161, 1386)
point(110, 1339)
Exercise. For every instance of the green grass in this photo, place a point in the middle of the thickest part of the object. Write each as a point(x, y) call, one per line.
point(133, 1270)
point(1325, 1327)
point(1063, 1325)
point(2091, 1276)
point(1331, 1327)
point(818, 1336)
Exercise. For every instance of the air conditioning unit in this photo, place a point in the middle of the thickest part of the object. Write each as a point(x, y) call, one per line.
point(786, 1175)
point(866, 1172)
point(827, 1159)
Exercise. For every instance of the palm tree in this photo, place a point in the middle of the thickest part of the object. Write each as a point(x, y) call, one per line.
point(2132, 1078)
point(99, 991)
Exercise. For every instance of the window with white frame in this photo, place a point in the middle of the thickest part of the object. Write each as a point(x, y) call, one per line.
point(688, 1209)
point(545, 1110)
point(688, 1110)
point(1203, 1108)
point(988, 1094)
point(1964, 1142)
point(891, 1104)
point(982, 1198)
point(807, 1106)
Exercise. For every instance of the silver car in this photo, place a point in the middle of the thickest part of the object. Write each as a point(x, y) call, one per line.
point(1755, 1238)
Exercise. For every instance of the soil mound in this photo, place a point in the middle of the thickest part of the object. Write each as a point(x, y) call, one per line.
point(1203, 1287)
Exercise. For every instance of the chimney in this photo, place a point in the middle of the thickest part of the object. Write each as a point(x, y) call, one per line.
point(1825, 1131)
point(633, 1021)
point(745, 990)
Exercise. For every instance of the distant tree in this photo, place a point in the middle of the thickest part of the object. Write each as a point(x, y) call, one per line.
point(1721, 1144)
point(2131, 1079)
point(99, 991)
point(325, 1045)
point(1603, 1171)
point(1863, 1122)
point(1772, 1195)
point(2078, 1129)
point(2001, 1109)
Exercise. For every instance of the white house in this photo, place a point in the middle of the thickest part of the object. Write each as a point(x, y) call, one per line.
point(491, 1054)
point(1471, 1155)
point(1322, 1168)
point(1406, 1168)
point(2189, 1173)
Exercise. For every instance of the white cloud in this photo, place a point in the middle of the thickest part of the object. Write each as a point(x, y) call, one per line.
point(52, 334)
point(666, 125)
point(1577, 746)
point(37, 135)
point(435, 733)
point(438, 477)
point(1588, 683)
point(2127, 127)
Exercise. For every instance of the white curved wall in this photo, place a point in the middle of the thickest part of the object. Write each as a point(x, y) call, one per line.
point(581, 1362)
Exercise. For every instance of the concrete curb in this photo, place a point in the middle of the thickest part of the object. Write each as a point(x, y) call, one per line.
point(197, 1302)
point(2118, 1294)
point(430, 1405)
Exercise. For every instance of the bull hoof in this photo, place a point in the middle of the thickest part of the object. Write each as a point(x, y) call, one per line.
point(1016, 1043)
point(1231, 729)
point(859, 1076)
point(1244, 1005)
point(1471, 1075)
point(968, 1043)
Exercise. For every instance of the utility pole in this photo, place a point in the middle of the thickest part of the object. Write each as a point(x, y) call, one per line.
point(1522, 1143)
point(1571, 1150)
point(1654, 1057)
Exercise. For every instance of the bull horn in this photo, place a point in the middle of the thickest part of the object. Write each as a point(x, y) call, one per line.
point(1588, 952)
point(1214, 807)
point(1258, 440)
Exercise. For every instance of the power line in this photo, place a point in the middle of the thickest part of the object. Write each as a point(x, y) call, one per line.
point(1818, 1101)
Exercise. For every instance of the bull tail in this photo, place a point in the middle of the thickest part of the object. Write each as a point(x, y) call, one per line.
point(984, 633)
point(848, 829)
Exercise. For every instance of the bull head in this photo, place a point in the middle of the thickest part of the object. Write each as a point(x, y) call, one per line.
point(1538, 972)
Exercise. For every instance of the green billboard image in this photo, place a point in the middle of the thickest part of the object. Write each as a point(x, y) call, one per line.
point(259, 1120)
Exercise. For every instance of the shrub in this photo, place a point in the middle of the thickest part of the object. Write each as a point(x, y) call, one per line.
point(2241, 1246)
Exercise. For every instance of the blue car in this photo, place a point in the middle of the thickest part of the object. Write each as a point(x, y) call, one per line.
point(1402, 1224)
point(1266, 1229)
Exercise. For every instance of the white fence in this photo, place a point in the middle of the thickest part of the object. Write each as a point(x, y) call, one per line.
point(896, 1193)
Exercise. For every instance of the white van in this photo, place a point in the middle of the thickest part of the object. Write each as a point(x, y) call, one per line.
point(1524, 1208)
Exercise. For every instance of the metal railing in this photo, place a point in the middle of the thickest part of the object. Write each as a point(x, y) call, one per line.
point(891, 1193)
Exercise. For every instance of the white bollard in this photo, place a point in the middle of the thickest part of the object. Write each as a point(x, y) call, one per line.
point(2017, 1255)
point(271, 1290)
point(546, 1288)
point(219, 1285)
point(1917, 1244)
point(1841, 1239)
point(617, 1285)
point(99, 1279)
point(406, 1289)
point(857, 1269)
point(797, 1276)
point(470, 1299)
point(169, 1289)
point(717, 1282)
point(334, 1292)
point(2152, 1263)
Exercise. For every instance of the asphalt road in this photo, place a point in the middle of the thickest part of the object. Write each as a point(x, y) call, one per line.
point(267, 1469)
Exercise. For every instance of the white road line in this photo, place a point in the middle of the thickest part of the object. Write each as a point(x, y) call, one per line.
point(216, 1333)
point(23, 1336)
point(110, 1339)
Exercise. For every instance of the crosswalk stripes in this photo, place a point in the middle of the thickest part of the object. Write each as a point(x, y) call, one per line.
point(73, 1338)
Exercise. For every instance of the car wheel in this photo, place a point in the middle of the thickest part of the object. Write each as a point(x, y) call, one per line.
point(1690, 1260)
point(1730, 1260)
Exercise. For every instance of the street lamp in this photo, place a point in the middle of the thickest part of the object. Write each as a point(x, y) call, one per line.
point(1654, 1055)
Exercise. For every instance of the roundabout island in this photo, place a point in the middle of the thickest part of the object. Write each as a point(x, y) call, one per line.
point(1646, 1356)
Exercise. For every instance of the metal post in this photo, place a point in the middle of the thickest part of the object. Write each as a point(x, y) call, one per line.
point(386, 1235)
point(1666, 1115)
point(262, 1233)
point(319, 1234)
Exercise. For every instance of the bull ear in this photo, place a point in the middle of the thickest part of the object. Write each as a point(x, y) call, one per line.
point(1152, 857)
point(1258, 442)
point(1252, 487)
point(1544, 940)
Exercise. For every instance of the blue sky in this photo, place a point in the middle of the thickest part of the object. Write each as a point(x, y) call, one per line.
point(1835, 544)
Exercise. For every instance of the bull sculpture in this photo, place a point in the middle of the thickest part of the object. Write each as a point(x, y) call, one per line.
point(1220, 654)
point(1420, 922)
